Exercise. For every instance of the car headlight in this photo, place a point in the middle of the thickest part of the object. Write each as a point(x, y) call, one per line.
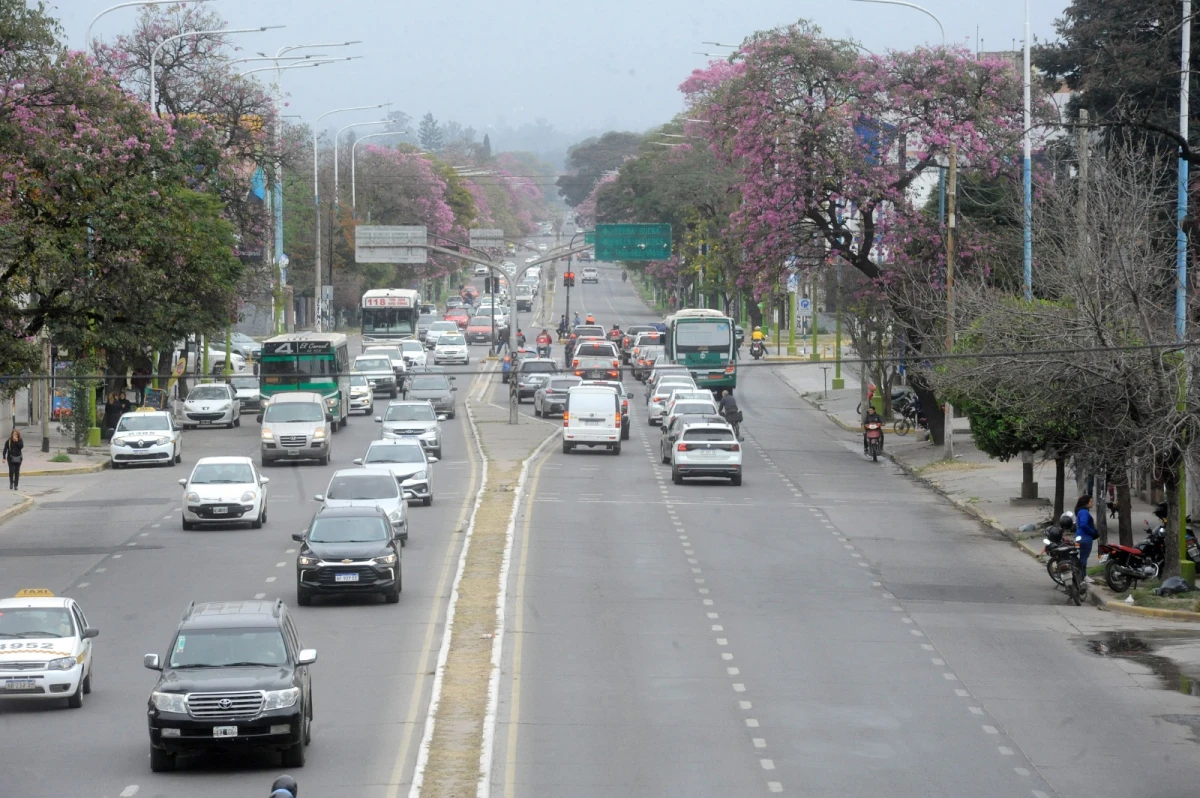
point(169, 702)
point(331, 401)
point(120, 441)
point(429, 433)
point(224, 406)
point(319, 434)
point(395, 516)
point(61, 664)
point(308, 560)
point(161, 441)
point(267, 434)
point(420, 475)
point(386, 559)
point(192, 496)
point(248, 496)
point(280, 699)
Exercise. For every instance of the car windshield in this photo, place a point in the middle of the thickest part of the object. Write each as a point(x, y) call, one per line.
point(391, 351)
point(142, 423)
point(356, 487)
point(227, 648)
point(203, 393)
point(429, 382)
point(244, 383)
point(222, 474)
point(420, 412)
point(30, 622)
point(358, 380)
point(411, 346)
point(452, 340)
point(367, 529)
point(287, 412)
point(394, 454)
point(700, 336)
point(372, 364)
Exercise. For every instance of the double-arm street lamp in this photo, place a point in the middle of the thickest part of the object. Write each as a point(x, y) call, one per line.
point(185, 35)
point(87, 40)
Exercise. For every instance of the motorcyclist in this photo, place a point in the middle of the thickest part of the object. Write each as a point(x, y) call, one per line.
point(545, 340)
point(590, 319)
point(624, 275)
point(728, 408)
point(615, 333)
point(872, 417)
point(758, 334)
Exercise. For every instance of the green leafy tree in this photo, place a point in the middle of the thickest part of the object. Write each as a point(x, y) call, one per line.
point(485, 151)
point(590, 159)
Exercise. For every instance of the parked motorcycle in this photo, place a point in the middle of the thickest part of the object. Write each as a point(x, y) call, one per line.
point(910, 418)
point(1125, 566)
point(758, 350)
point(874, 433)
point(1062, 562)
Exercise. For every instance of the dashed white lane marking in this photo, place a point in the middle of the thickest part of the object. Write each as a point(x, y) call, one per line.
point(733, 671)
point(713, 615)
point(1005, 751)
point(739, 688)
point(83, 584)
point(280, 564)
point(101, 570)
point(166, 518)
point(270, 579)
point(1039, 794)
point(950, 677)
point(745, 705)
point(260, 595)
point(708, 602)
point(116, 556)
point(143, 534)
point(289, 551)
point(129, 791)
point(990, 730)
point(153, 526)
point(975, 710)
point(767, 764)
point(1021, 771)
point(961, 693)
point(774, 786)
point(751, 723)
point(759, 742)
point(726, 656)
point(721, 641)
point(937, 661)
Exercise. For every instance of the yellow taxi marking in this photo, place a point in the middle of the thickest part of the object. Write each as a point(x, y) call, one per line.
point(418, 692)
point(514, 710)
point(35, 592)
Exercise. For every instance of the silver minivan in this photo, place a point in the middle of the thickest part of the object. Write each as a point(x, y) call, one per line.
point(295, 426)
point(357, 487)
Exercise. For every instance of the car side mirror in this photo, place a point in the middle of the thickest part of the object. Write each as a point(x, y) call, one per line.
point(258, 418)
point(433, 459)
point(263, 480)
point(442, 416)
point(318, 497)
point(151, 661)
point(183, 482)
point(90, 632)
point(452, 379)
point(307, 656)
point(298, 537)
point(378, 419)
point(358, 461)
point(453, 388)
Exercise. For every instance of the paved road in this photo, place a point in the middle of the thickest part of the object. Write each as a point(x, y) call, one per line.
point(829, 628)
point(113, 541)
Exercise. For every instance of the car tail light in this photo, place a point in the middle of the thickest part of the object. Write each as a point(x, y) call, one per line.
point(616, 364)
point(612, 373)
point(735, 448)
point(618, 420)
point(729, 369)
point(683, 447)
point(566, 417)
point(658, 400)
point(575, 362)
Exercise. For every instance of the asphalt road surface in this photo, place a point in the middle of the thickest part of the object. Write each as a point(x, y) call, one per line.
point(827, 629)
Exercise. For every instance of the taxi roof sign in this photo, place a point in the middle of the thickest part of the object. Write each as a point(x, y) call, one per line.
point(147, 409)
point(35, 592)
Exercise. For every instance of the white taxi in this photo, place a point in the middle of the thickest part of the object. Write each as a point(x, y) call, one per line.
point(145, 436)
point(45, 648)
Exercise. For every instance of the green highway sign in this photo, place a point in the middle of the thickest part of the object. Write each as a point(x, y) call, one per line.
point(589, 237)
point(633, 242)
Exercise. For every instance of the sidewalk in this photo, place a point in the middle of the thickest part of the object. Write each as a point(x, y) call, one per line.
point(974, 482)
point(37, 463)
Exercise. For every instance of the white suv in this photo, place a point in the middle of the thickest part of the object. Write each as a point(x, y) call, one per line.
point(591, 275)
point(706, 450)
point(660, 397)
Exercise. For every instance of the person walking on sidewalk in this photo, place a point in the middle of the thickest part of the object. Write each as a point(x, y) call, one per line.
point(1085, 528)
point(12, 455)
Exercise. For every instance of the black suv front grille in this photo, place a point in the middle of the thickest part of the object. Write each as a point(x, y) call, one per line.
point(220, 706)
point(328, 575)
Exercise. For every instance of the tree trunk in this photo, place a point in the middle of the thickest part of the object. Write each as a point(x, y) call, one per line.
point(1171, 538)
point(1124, 507)
point(1060, 484)
point(933, 411)
point(754, 312)
point(1101, 508)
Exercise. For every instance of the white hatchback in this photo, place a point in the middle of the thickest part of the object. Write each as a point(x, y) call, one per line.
point(223, 490)
point(707, 450)
point(210, 404)
point(592, 418)
point(661, 396)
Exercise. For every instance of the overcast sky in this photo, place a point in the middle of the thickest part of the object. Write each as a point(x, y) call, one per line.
point(580, 66)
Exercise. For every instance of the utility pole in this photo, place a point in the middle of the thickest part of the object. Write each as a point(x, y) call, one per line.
point(1083, 170)
point(951, 225)
point(1187, 570)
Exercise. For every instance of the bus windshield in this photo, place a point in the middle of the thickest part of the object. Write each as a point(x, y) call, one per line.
point(703, 336)
point(300, 368)
point(395, 321)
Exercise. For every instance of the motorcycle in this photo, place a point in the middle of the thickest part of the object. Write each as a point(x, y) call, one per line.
point(910, 418)
point(757, 350)
point(1062, 563)
point(543, 350)
point(874, 433)
point(624, 276)
point(1125, 566)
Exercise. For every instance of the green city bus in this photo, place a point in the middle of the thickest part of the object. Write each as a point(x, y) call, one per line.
point(308, 361)
point(703, 340)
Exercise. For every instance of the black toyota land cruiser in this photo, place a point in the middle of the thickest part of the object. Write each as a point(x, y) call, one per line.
point(235, 678)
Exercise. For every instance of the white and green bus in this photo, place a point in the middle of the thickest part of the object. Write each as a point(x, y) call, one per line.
point(309, 361)
point(703, 340)
point(390, 314)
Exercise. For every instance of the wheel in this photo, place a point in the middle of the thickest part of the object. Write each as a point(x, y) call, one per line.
point(257, 522)
point(438, 454)
point(676, 477)
point(902, 426)
point(537, 412)
point(324, 460)
point(736, 480)
point(237, 422)
point(293, 757)
point(1075, 585)
point(308, 728)
point(161, 761)
point(265, 463)
point(87, 683)
point(874, 454)
point(393, 597)
point(264, 518)
point(1055, 574)
point(566, 448)
point(649, 421)
point(187, 525)
point(616, 449)
point(171, 463)
point(1116, 580)
point(666, 458)
point(75, 700)
point(624, 433)
point(303, 598)
point(428, 500)
point(393, 393)
point(178, 456)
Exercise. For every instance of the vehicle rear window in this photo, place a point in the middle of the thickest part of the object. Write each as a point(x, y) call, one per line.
point(708, 435)
point(594, 350)
point(563, 385)
point(362, 487)
point(537, 365)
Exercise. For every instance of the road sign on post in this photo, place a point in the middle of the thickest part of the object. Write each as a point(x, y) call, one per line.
point(633, 242)
point(486, 238)
point(390, 244)
point(805, 307)
point(589, 237)
point(793, 283)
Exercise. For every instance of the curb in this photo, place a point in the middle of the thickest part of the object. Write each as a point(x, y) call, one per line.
point(15, 510)
point(66, 472)
point(967, 508)
point(1113, 605)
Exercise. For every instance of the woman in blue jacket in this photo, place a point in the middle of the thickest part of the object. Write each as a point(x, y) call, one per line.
point(1085, 528)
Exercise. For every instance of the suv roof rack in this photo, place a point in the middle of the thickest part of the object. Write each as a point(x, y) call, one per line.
point(278, 608)
point(187, 613)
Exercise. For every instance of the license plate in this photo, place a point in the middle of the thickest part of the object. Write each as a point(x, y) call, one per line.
point(220, 510)
point(20, 684)
point(410, 435)
point(293, 452)
point(345, 577)
point(224, 731)
point(593, 422)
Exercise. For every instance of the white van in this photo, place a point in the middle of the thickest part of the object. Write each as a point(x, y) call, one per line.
point(592, 418)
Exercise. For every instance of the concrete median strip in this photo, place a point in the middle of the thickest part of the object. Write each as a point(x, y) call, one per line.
point(93, 468)
point(12, 512)
point(455, 752)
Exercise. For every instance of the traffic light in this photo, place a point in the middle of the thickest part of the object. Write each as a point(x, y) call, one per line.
point(569, 279)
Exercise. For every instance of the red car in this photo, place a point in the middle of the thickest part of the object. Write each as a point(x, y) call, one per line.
point(458, 316)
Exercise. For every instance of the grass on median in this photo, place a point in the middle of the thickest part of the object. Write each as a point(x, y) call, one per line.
point(61, 457)
point(1144, 597)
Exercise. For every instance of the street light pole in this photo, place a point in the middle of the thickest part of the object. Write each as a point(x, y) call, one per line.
point(923, 10)
point(1028, 171)
point(1186, 569)
point(185, 35)
point(336, 138)
point(87, 40)
point(318, 325)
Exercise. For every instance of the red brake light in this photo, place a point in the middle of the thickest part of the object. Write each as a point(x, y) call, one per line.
point(616, 364)
point(575, 362)
point(735, 448)
point(683, 447)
